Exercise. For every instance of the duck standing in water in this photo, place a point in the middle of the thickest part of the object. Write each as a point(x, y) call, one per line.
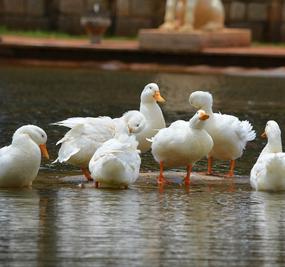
point(230, 135)
point(182, 144)
point(20, 161)
point(268, 173)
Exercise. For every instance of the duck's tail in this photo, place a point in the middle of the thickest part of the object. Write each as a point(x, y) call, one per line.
point(248, 132)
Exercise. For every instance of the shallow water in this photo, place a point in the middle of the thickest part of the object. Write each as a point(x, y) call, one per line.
point(56, 223)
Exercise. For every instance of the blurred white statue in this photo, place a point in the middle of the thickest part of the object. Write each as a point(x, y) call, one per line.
point(187, 15)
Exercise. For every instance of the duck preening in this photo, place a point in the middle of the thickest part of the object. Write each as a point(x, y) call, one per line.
point(20, 161)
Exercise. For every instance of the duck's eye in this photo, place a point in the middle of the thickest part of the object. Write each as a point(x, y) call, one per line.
point(138, 125)
point(43, 136)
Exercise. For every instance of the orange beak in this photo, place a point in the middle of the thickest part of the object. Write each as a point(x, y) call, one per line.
point(158, 97)
point(203, 116)
point(130, 130)
point(44, 151)
point(263, 135)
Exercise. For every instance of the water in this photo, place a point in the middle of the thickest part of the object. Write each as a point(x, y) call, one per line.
point(57, 223)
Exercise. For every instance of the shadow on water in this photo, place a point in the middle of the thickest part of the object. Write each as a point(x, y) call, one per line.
point(60, 224)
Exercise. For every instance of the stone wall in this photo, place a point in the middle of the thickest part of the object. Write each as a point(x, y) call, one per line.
point(61, 15)
point(266, 18)
point(132, 15)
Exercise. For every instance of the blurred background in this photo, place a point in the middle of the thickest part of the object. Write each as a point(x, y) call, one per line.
point(266, 18)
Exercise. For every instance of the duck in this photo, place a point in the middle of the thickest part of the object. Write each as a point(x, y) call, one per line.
point(20, 161)
point(268, 172)
point(230, 135)
point(116, 163)
point(152, 112)
point(182, 144)
point(86, 135)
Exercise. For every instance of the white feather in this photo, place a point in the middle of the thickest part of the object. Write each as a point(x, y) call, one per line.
point(20, 161)
point(182, 143)
point(230, 135)
point(268, 173)
point(116, 162)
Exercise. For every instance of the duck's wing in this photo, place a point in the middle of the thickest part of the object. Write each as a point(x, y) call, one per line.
point(84, 136)
point(75, 121)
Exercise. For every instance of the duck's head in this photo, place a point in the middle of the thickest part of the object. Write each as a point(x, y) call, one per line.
point(151, 93)
point(201, 100)
point(135, 121)
point(35, 133)
point(272, 130)
point(197, 121)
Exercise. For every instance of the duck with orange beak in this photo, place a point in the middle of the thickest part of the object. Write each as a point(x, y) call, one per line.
point(230, 135)
point(20, 161)
point(267, 173)
point(150, 97)
point(182, 144)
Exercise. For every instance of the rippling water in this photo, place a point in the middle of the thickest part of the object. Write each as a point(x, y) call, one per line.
point(57, 223)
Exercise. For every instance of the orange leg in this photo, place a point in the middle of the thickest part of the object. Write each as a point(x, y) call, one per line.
point(161, 179)
point(96, 184)
point(86, 173)
point(187, 177)
point(232, 167)
point(210, 165)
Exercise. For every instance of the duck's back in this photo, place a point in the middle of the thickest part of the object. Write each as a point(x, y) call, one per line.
point(115, 163)
point(18, 169)
point(268, 173)
point(229, 134)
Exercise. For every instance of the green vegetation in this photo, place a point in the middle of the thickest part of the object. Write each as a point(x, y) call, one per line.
point(56, 35)
point(40, 34)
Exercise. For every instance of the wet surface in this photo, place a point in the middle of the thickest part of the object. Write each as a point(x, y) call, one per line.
point(221, 223)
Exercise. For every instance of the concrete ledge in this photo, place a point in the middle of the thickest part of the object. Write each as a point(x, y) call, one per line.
point(175, 178)
point(157, 40)
point(23, 49)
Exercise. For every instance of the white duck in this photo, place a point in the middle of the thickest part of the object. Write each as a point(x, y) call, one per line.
point(268, 173)
point(116, 163)
point(88, 134)
point(20, 161)
point(230, 135)
point(182, 144)
point(153, 115)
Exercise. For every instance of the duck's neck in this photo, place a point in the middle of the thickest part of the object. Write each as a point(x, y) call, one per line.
point(153, 114)
point(197, 124)
point(24, 142)
point(274, 145)
point(208, 109)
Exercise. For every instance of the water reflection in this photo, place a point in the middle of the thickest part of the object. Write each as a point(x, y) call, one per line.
point(210, 224)
point(270, 223)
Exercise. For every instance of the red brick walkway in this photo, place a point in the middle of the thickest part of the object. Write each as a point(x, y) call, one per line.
point(270, 51)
